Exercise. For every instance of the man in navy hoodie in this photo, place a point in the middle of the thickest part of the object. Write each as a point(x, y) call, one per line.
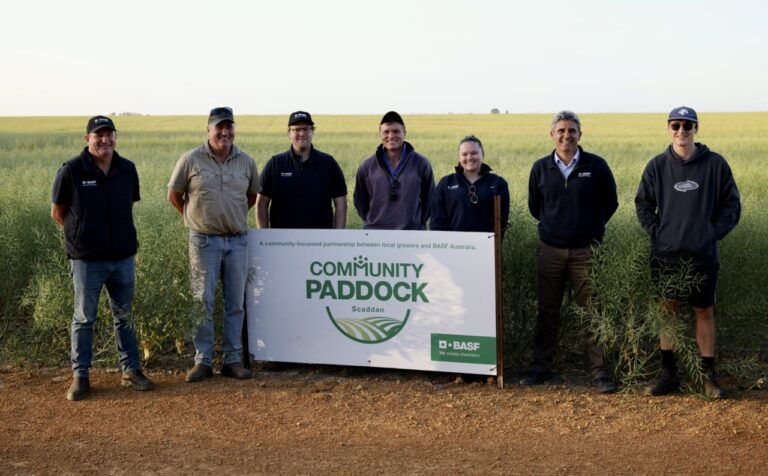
point(687, 201)
point(572, 194)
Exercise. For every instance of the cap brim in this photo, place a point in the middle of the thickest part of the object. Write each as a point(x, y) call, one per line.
point(96, 129)
point(683, 119)
point(216, 122)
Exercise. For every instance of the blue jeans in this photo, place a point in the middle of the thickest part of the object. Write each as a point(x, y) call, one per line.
point(88, 277)
point(209, 256)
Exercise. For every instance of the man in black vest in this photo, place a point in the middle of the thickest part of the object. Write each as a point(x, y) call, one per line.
point(93, 197)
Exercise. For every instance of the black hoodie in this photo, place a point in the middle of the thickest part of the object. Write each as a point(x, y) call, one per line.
point(687, 206)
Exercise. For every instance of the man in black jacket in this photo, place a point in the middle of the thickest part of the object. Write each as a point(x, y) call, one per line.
point(93, 197)
point(299, 186)
point(687, 201)
point(572, 194)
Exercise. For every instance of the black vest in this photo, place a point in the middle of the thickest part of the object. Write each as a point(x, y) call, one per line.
point(99, 222)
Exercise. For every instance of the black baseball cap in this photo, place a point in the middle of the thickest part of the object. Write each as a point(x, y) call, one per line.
point(392, 116)
point(99, 122)
point(683, 114)
point(220, 114)
point(300, 117)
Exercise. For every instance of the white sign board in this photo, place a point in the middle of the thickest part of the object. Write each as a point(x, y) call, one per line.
point(422, 300)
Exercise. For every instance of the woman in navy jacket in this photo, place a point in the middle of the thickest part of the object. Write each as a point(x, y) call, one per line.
point(463, 201)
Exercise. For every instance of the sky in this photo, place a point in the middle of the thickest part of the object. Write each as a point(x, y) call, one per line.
point(169, 57)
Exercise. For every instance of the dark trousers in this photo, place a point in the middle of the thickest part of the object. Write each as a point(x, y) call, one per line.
point(554, 267)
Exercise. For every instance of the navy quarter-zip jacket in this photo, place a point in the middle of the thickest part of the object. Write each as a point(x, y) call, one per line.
point(572, 213)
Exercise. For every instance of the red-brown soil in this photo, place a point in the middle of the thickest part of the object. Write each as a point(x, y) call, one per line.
point(311, 419)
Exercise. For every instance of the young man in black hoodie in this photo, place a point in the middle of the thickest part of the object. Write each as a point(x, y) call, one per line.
point(572, 194)
point(687, 201)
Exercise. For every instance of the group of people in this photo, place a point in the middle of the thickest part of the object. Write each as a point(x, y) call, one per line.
point(687, 201)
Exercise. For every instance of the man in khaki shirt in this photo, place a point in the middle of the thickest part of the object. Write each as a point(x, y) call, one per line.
point(212, 187)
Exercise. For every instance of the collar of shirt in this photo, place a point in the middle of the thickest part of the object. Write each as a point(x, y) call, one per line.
point(567, 169)
point(403, 156)
point(297, 157)
point(232, 152)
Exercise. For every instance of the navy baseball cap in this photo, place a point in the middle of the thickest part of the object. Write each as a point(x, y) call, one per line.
point(299, 117)
point(683, 114)
point(221, 114)
point(99, 122)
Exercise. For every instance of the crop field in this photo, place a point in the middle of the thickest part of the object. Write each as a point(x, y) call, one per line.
point(35, 294)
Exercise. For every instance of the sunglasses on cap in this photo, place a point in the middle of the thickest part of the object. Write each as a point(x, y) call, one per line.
point(687, 126)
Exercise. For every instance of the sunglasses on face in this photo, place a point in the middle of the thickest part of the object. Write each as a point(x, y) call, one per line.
point(473, 194)
point(687, 126)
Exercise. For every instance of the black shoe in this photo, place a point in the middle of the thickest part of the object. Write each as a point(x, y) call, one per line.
point(604, 384)
point(711, 388)
point(79, 389)
point(665, 383)
point(199, 372)
point(536, 377)
point(235, 370)
point(137, 381)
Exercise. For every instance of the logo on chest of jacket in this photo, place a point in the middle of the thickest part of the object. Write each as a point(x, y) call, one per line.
point(89, 183)
point(286, 174)
point(452, 187)
point(686, 186)
point(585, 174)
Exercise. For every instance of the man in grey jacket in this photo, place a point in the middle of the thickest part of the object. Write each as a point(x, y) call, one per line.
point(394, 186)
point(687, 201)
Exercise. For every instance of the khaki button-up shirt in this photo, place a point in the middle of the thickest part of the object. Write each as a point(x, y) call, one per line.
point(216, 194)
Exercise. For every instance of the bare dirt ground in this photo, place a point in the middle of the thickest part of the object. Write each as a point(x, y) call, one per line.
point(321, 420)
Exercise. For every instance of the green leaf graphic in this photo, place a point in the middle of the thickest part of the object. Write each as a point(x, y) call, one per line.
point(368, 330)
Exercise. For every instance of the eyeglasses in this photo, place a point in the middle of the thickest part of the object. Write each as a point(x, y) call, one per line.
point(304, 130)
point(687, 126)
point(473, 195)
point(394, 185)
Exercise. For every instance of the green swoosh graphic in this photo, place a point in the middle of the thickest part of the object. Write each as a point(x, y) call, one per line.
point(368, 330)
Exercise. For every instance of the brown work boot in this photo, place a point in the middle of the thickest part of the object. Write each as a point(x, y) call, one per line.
point(711, 388)
point(80, 388)
point(235, 370)
point(137, 381)
point(199, 372)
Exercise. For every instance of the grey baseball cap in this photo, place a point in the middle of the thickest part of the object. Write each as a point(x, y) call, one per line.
point(220, 114)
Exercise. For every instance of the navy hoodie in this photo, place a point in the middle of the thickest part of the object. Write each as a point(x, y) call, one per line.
point(452, 210)
point(687, 206)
